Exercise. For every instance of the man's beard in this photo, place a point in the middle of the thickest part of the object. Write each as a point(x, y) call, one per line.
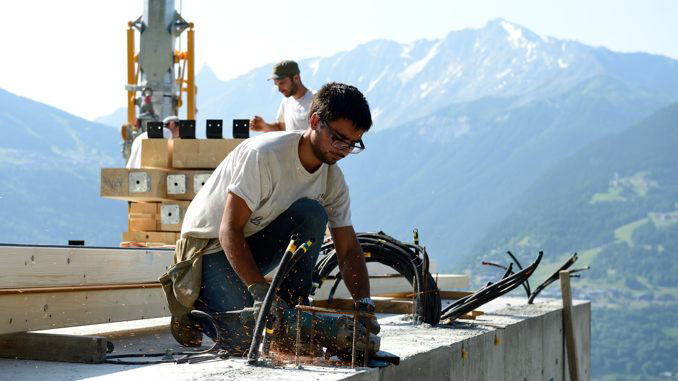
point(324, 157)
point(293, 90)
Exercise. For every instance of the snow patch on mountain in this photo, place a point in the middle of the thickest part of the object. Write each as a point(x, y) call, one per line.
point(463, 127)
point(314, 65)
point(515, 35)
point(415, 68)
point(374, 82)
point(376, 111)
point(406, 51)
point(504, 73)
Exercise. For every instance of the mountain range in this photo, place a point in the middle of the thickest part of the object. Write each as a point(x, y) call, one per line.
point(463, 124)
point(49, 161)
point(404, 82)
point(486, 140)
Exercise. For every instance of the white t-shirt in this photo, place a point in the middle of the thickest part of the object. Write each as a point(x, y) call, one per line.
point(134, 160)
point(266, 172)
point(295, 112)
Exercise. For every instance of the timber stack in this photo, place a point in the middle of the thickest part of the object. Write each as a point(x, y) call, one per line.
point(158, 194)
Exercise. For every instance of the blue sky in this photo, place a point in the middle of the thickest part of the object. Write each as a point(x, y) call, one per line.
point(71, 54)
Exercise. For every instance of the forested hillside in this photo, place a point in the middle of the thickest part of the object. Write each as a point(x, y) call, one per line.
point(615, 203)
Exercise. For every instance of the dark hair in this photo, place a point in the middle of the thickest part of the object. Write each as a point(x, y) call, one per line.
point(340, 101)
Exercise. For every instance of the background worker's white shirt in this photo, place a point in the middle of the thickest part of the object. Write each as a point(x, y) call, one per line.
point(266, 172)
point(295, 112)
point(135, 153)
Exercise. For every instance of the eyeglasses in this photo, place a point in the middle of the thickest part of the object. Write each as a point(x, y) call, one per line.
point(343, 144)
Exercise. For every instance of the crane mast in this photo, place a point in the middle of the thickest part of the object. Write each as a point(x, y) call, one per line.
point(158, 74)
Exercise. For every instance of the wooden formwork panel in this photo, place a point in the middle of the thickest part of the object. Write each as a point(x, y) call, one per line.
point(156, 153)
point(47, 310)
point(201, 153)
point(43, 266)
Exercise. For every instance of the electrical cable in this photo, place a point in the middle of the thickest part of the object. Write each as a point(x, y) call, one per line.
point(190, 357)
point(526, 284)
point(402, 257)
point(291, 256)
point(508, 282)
point(556, 275)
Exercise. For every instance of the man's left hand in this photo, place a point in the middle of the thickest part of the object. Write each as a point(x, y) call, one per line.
point(366, 305)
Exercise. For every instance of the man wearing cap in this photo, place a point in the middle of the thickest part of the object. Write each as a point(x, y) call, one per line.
point(170, 131)
point(293, 110)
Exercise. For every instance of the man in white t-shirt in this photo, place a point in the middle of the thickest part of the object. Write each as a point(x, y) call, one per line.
point(293, 110)
point(170, 131)
point(270, 187)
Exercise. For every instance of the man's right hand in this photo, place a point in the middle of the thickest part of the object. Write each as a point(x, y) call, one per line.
point(258, 124)
point(258, 291)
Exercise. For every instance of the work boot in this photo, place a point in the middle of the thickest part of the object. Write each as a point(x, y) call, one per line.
point(185, 332)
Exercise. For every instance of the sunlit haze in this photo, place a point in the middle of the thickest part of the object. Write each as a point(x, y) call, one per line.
point(72, 54)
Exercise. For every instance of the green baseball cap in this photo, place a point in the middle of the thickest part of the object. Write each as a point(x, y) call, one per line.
point(284, 69)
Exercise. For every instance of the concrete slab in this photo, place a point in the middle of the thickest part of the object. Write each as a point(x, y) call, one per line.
point(511, 341)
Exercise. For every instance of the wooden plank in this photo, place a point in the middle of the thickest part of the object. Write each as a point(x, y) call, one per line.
point(38, 311)
point(201, 153)
point(143, 216)
point(53, 347)
point(143, 224)
point(156, 153)
point(94, 287)
point(41, 266)
point(161, 238)
point(115, 183)
point(390, 285)
point(568, 325)
point(167, 209)
point(184, 184)
point(444, 294)
point(381, 305)
point(144, 208)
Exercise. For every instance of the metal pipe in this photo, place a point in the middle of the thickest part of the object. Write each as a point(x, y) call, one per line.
point(367, 342)
point(312, 326)
point(190, 81)
point(355, 336)
point(131, 76)
point(298, 343)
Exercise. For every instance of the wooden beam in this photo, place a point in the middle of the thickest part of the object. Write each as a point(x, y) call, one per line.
point(53, 347)
point(155, 238)
point(141, 184)
point(50, 266)
point(59, 309)
point(568, 325)
point(156, 153)
point(201, 153)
